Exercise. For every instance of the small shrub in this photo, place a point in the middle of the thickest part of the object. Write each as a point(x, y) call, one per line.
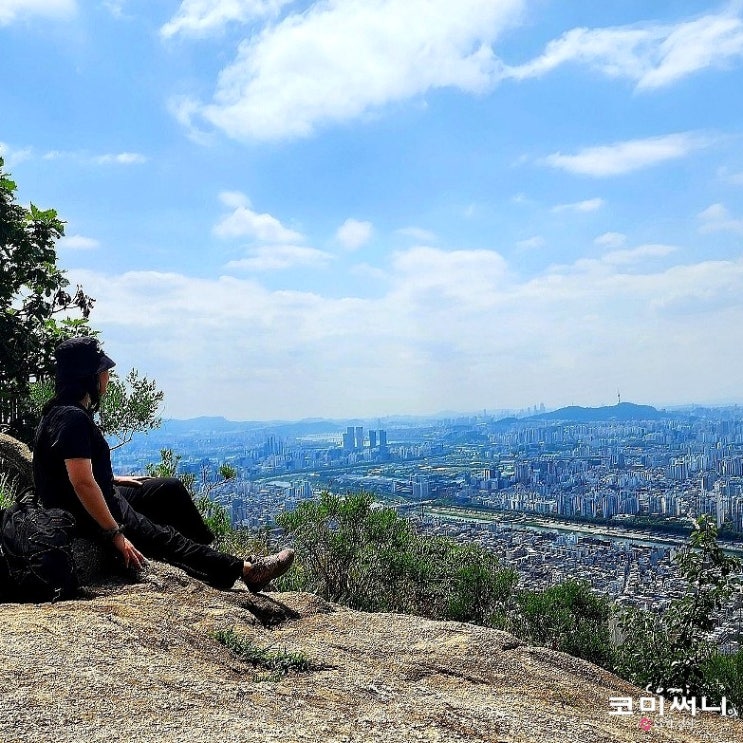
point(215, 516)
point(371, 559)
point(723, 677)
point(277, 663)
point(568, 617)
point(671, 650)
point(243, 542)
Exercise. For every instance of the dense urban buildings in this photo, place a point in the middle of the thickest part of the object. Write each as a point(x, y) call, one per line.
point(666, 467)
point(565, 494)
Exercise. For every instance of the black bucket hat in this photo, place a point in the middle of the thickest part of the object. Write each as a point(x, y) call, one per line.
point(81, 357)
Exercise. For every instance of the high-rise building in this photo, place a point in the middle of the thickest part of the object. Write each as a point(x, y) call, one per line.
point(372, 439)
point(523, 472)
point(421, 487)
point(348, 439)
point(382, 438)
point(359, 438)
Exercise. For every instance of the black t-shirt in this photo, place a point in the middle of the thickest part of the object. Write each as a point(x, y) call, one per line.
point(69, 432)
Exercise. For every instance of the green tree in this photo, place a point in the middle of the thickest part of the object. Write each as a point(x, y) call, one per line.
point(353, 551)
point(568, 617)
point(671, 650)
point(130, 405)
point(723, 676)
point(33, 293)
point(36, 314)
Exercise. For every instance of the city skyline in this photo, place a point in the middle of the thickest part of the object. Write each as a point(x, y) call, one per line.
point(526, 413)
point(347, 209)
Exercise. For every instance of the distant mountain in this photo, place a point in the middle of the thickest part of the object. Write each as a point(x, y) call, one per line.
point(215, 425)
point(206, 425)
point(624, 411)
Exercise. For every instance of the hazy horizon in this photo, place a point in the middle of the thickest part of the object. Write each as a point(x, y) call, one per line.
point(444, 414)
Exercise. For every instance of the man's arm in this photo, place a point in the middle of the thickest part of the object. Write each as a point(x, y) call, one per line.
point(80, 472)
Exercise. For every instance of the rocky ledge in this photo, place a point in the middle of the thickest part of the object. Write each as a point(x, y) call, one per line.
point(140, 662)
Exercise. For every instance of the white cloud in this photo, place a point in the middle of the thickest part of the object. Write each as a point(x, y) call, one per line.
point(466, 276)
point(80, 156)
point(725, 174)
point(279, 257)
point(12, 10)
point(716, 218)
point(353, 234)
point(204, 17)
point(365, 269)
point(343, 58)
point(650, 55)
point(116, 8)
point(714, 213)
point(611, 240)
point(418, 234)
point(620, 158)
point(532, 243)
point(12, 156)
point(608, 264)
point(453, 329)
point(121, 158)
point(638, 254)
point(244, 222)
point(521, 198)
point(589, 205)
point(78, 242)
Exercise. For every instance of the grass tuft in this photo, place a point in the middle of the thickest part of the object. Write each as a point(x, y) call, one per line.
point(275, 664)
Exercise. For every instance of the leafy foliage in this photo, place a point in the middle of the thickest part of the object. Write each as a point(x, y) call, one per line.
point(671, 650)
point(33, 291)
point(130, 405)
point(7, 490)
point(568, 617)
point(168, 467)
point(723, 676)
point(371, 559)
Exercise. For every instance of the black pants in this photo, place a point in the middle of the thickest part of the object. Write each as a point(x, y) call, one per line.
point(162, 521)
point(166, 501)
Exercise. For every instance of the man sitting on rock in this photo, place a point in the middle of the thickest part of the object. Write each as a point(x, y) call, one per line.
point(153, 517)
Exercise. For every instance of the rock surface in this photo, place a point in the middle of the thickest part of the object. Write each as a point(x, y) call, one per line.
point(139, 662)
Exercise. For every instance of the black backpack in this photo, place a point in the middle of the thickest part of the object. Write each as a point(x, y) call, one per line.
point(36, 562)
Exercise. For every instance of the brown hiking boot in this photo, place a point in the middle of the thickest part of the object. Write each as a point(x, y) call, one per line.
point(264, 569)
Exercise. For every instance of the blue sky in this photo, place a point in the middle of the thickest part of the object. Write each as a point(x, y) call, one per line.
point(368, 207)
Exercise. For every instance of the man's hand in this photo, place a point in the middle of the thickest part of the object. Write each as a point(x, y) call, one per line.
point(132, 556)
point(131, 482)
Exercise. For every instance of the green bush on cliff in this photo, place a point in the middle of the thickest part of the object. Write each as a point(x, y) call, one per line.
point(369, 558)
point(723, 676)
point(672, 650)
point(568, 617)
